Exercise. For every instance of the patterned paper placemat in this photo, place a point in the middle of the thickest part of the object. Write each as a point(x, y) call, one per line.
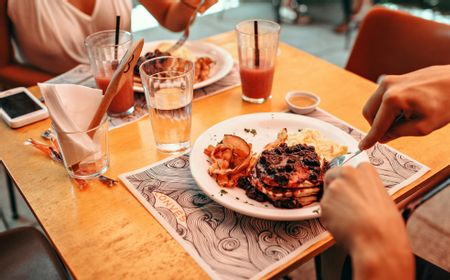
point(228, 245)
point(81, 75)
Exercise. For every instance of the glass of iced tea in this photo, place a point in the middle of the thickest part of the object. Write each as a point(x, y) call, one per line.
point(104, 56)
point(257, 49)
point(168, 85)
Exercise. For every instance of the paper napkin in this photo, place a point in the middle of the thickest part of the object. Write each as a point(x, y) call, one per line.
point(71, 108)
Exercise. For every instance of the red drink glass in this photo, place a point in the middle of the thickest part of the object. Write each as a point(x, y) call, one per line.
point(104, 56)
point(257, 55)
point(123, 101)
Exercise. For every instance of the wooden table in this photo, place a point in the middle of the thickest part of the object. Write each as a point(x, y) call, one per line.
point(105, 232)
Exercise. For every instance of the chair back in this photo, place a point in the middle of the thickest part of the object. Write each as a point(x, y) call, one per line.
point(392, 42)
point(6, 50)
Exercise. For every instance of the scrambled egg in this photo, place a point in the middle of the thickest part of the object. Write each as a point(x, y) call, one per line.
point(181, 52)
point(325, 148)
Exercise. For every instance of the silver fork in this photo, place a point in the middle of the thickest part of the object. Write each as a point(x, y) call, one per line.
point(341, 160)
point(185, 35)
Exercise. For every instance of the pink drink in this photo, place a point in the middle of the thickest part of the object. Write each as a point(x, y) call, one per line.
point(256, 82)
point(123, 102)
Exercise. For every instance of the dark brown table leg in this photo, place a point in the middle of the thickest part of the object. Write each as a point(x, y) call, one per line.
point(12, 197)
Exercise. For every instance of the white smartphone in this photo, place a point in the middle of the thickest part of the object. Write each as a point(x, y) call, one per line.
point(19, 107)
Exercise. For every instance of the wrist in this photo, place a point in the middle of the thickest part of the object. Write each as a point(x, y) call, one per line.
point(383, 257)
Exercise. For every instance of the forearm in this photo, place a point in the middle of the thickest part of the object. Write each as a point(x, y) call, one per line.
point(178, 16)
point(384, 259)
point(173, 15)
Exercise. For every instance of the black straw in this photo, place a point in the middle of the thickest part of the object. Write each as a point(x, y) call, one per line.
point(255, 25)
point(117, 36)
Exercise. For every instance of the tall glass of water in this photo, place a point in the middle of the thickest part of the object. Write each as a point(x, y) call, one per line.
point(168, 85)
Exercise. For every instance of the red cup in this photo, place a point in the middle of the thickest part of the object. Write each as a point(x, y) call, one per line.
point(104, 55)
point(123, 102)
point(257, 49)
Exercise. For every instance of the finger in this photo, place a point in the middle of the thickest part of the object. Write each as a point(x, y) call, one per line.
point(345, 173)
point(330, 176)
point(373, 103)
point(381, 124)
point(407, 128)
point(368, 170)
point(366, 167)
point(329, 195)
point(365, 171)
point(373, 182)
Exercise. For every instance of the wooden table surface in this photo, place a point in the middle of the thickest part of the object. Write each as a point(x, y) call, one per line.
point(106, 233)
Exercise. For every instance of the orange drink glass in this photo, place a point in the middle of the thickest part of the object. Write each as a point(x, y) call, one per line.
point(257, 49)
point(104, 56)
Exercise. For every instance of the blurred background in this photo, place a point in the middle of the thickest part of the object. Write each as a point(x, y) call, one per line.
point(310, 25)
point(307, 24)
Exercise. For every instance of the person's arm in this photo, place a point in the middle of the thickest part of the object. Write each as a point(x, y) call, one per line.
point(383, 260)
point(174, 15)
point(421, 99)
point(364, 220)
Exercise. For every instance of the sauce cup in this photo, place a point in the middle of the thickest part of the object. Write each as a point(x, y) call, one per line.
point(302, 102)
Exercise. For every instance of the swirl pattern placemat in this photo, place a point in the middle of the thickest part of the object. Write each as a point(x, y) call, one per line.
point(228, 245)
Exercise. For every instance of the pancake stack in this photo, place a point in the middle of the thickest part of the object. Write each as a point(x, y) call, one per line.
point(288, 176)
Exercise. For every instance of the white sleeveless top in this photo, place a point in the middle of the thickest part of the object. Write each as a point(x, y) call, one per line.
point(50, 33)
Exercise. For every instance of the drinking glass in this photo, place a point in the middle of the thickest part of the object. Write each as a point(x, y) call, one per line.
point(104, 56)
point(257, 49)
point(85, 153)
point(168, 84)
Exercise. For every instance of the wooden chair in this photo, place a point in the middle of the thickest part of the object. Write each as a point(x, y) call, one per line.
point(12, 73)
point(393, 42)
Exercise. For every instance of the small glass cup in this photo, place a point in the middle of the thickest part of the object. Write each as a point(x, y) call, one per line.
point(85, 153)
point(257, 55)
point(104, 57)
point(168, 84)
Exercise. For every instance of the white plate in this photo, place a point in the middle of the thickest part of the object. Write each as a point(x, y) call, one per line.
point(267, 126)
point(223, 60)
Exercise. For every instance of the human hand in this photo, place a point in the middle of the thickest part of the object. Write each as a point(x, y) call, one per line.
point(356, 205)
point(206, 5)
point(421, 98)
point(363, 219)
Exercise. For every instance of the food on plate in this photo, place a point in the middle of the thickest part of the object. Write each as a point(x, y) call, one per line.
point(202, 65)
point(147, 56)
point(182, 51)
point(326, 148)
point(290, 176)
point(288, 172)
point(230, 159)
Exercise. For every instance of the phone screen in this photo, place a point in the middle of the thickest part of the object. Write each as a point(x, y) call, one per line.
point(18, 104)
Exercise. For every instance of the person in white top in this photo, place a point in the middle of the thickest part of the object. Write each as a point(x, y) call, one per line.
point(49, 34)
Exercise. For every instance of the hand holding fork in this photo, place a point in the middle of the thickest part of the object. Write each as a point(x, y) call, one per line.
point(185, 35)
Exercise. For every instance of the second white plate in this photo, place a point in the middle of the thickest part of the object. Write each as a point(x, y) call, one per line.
point(223, 60)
